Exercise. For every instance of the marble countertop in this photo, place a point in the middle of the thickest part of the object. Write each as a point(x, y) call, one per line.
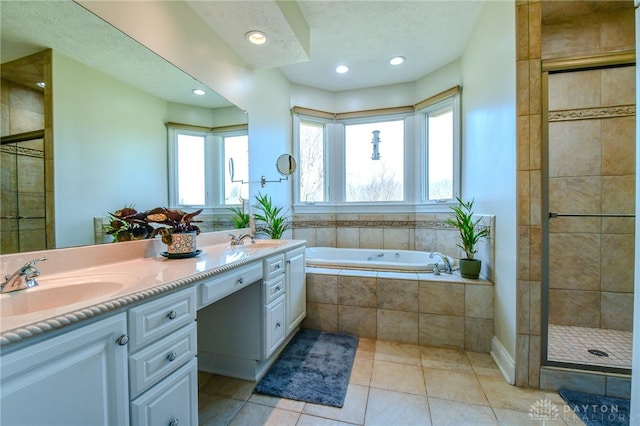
point(75, 295)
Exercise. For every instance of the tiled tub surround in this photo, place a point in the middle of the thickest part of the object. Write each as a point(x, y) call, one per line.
point(418, 308)
point(420, 232)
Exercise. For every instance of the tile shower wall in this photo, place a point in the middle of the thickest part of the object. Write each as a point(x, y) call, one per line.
point(422, 232)
point(592, 171)
point(23, 174)
point(564, 37)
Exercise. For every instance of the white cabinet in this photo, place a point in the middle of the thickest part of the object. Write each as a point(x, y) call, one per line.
point(274, 325)
point(162, 364)
point(77, 378)
point(296, 288)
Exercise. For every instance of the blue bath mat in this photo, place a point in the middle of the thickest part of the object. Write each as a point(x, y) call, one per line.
point(597, 410)
point(314, 367)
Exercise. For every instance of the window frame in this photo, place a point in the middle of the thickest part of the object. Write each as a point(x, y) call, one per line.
point(415, 157)
point(215, 169)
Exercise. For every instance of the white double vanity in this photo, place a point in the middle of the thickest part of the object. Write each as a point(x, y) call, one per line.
point(131, 356)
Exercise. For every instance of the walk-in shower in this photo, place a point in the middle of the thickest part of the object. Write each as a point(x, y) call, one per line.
point(588, 202)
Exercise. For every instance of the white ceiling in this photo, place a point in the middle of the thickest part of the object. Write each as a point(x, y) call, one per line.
point(308, 42)
point(308, 39)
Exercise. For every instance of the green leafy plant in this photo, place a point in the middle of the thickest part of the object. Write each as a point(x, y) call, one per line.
point(176, 221)
point(462, 219)
point(273, 221)
point(240, 218)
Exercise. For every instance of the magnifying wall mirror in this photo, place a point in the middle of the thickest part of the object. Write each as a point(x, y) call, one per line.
point(286, 165)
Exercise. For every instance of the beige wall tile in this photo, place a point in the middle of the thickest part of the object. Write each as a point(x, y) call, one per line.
point(618, 146)
point(398, 326)
point(442, 331)
point(522, 92)
point(617, 311)
point(534, 361)
point(617, 262)
point(524, 249)
point(618, 86)
point(24, 98)
point(31, 205)
point(618, 194)
point(442, 298)
point(9, 242)
point(522, 307)
point(21, 121)
point(536, 198)
point(535, 311)
point(579, 89)
point(478, 301)
point(567, 38)
point(371, 238)
point(357, 321)
point(321, 316)
point(535, 102)
point(30, 174)
point(535, 30)
point(535, 266)
point(522, 365)
point(535, 141)
point(425, 239)
point(617, 30)
point(322, 288)
point(326, 237)
point(478, 334)
point(618, 225)
point(307, 234)
point(8, 180)
point(399, 295)
point(348, 237)
point(574, 261)
point(396, 239)
point(357, 291)
point(575, 148)
point(522, 32)
point(575, 194)
point(574, 307)
point(524, 197)
point(4, 119)
point(523, 148)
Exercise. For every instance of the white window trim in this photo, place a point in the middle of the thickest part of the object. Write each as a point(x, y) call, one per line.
point(215, 170)
point(415, 163)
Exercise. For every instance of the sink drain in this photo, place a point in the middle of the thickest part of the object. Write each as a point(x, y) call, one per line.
point(597, 352)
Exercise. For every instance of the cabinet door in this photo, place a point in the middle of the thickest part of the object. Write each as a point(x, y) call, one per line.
point(275, 326)
point(77, 378)
point(172, 402)
point(296, 288)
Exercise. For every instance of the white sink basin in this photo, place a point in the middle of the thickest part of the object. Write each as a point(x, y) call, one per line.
point(60, 292)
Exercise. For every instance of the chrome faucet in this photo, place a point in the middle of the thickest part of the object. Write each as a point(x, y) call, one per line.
point(445, 259)
point(23, 278)
point(236, 241)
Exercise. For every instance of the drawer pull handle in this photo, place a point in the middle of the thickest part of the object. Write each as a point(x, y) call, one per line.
point(174, 422)
point(172, 356)
point(288, 262)
point(278, 288)
point(172, 315)
point(122, 340)
point(278, 325)
point(277, 266)
point(240, 281)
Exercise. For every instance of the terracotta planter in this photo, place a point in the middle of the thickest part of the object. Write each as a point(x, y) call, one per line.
point(182, 243)
point(470, 268)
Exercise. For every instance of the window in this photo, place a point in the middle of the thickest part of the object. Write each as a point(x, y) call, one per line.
point(198, 160)
point(374, 161)
point(397, 159)
point(311, 164)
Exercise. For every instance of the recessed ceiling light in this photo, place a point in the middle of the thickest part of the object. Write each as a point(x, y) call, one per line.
point(341, 69)
point(396, 60)
point(40, 84)
point(198, 92)
point(256, 37)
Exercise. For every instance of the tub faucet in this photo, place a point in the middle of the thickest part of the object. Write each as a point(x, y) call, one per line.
point(236, 241)
point(23, 278)
point(445, 259)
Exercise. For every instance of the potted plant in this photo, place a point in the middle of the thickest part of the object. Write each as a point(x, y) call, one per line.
point(462, 219)
point(273, 221)
point(127, 224)
point(240, 218)
point(180, 233)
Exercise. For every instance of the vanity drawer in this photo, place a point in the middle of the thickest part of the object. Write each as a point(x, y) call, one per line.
point(273, 266)
point(274, 289)
point(154, 320)
point(227, 283)
point(155, 362)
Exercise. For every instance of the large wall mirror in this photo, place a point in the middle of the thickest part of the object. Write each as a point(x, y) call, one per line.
point(84, 109)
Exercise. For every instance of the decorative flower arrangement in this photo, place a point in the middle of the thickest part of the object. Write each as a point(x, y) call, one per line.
point(127, 224)
point(177, 221)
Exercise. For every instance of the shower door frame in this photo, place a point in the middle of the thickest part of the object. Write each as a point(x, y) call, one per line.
point(553, 66)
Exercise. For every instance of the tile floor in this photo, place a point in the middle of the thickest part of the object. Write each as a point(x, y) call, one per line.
point(392, 384)
point(571, 344)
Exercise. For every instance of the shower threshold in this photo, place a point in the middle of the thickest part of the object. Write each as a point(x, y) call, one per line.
point(589, 346)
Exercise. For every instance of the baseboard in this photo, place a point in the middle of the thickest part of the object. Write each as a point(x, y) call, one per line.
point(505, 363)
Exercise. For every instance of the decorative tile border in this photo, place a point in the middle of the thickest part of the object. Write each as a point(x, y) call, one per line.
point(592, 113)
point(20, 150)
point(403, 224)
